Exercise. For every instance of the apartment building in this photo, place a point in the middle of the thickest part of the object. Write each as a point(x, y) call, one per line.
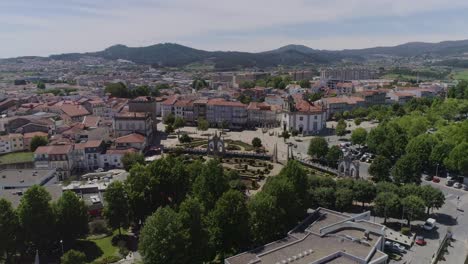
point(58, 157)
point(220, 111)
point(11, 143)
point(126, 123)
point(143, 104)
point(134, 140)
point(341, 104)
point(86, 155)
point(262, 114)
point(185, 110)
point(347, 74)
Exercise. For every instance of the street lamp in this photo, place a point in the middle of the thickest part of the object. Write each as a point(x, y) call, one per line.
point(61, 244)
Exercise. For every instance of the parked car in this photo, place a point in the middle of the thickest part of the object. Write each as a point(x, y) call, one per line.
point(465, 187)
point(449, 178)
point(99, 170)
point(450, 182)
point(429, 224)
point(420, 241)
point(457, 185)
point(436, 180)
point(395, 247)
point(427, 177)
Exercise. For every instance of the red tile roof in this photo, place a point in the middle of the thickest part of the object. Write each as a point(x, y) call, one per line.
point(74, 110)
point(132, 138)
point(54, 149)
point(33, 134)
point(222, 102)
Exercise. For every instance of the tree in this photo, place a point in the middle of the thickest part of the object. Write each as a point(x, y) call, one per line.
point(358, 121)
point(179, 122)
point(304, 83)
point(380, 169)
point(72, 216)
point(318, 147)
point(185, 138)
point(285, 135)
point(333, 156)
point(433, 198)
point(41, 85)
point(386, 204)
point(359, 136)
point(130, 159)
point(38, 141)
point(141, 91)
point(169, 119)
point(191, 215)
point(73, 257)
point(288, 209)
point(225, 124)
point(407, 169)
point(386, 187)
point(210, 184)
point(37, 218)
point(117, 207)
point(344, 199)
point(228, 223)
point(199, 83)
point(9, 231)
point(264, 218)
point(421, 146)
point(364, 191)
point(345, 183)
point(256, 142)
point(413, 208)
point(341, 128)
point(295, 173)
point(457, 160)
point(203, 125)
point(325, 197)
point(117, 90)
point(141, 187)
point(162, 239)
point(169, 129)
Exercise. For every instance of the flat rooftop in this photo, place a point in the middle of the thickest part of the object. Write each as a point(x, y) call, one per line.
point(24, 177)
point(326, 235)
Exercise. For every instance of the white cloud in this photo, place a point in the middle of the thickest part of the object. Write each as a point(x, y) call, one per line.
point(144, 22)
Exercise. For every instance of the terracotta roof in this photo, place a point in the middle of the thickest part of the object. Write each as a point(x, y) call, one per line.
point(170, 100)
point(54, 149)
point(33, 134)
point(91, 121)
point(304, 106)
point(183, 103)
point(259, 106)
point(404, 94)
point(121, 151)
point(132, 138)
point(89, 144)
point(74, 110)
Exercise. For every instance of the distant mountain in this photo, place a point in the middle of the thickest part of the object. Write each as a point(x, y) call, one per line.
point(410, 49)
point(175, 55)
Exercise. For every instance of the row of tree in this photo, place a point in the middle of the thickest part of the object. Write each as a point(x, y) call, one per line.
point(120, 90)
point(39, 224)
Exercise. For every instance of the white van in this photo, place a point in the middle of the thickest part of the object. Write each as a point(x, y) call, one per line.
point(429, 224)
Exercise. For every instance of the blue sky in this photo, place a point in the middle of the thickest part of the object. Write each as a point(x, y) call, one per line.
point(43, 27)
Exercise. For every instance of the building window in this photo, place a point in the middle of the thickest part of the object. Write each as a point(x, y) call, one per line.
point(315, 117)
point(301, 118)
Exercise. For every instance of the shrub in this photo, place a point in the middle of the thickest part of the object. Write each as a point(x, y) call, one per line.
point(98, 227)
point(405, 231)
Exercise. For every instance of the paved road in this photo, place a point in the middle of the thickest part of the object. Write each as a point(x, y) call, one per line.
point(447, 217)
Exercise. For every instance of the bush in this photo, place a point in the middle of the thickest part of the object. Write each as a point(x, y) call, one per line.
point(98, 227)
point(406, 231)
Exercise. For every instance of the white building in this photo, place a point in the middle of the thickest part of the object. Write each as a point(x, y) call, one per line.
point(304, 117)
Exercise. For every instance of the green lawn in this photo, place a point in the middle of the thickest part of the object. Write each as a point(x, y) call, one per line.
point(18, 157)
point(460, 75)
point(98, 248)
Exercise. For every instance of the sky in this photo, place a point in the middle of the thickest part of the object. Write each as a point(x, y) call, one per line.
point(44, 27)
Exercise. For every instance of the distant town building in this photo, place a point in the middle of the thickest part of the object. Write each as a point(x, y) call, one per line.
point(126, 123)
point(347, 74)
